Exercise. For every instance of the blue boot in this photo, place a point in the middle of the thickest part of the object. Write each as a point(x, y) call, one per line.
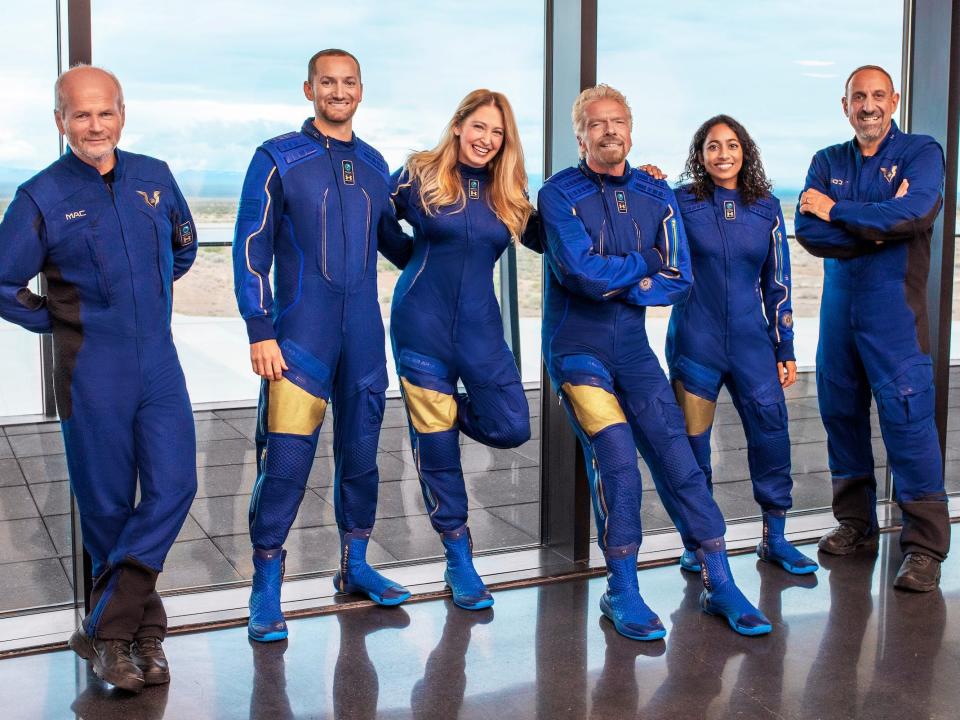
point(621, 604)
point(356, 576)
point(775, 548)
point(689, 562)
point(468, 589)
point(722, 597)
point(266, 623)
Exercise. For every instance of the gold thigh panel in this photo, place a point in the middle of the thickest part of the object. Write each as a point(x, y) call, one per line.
point(697, 411)
point(292, 410)
point(594, 407)
point(430, 411)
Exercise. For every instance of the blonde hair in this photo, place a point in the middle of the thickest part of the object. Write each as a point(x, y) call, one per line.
point(592, 94)
point(435, 171)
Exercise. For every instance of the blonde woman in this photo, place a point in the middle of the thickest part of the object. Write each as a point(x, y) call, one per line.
point(466, 201)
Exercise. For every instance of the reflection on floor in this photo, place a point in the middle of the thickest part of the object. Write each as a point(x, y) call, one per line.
point(844, 645)
point(503, 486)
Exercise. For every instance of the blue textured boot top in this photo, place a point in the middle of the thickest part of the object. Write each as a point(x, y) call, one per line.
point(689, 561)
point(356, 576)
point(266, 623)
point(621, 604)
point(775, 548)
point(468, 589)
point(722, 597)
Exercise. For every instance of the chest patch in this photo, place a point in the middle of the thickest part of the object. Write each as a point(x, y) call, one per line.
point(729, 210)
point(621, 198)
point(473, 189)
point(348, 177)
point(890, 174)
point(151, 200)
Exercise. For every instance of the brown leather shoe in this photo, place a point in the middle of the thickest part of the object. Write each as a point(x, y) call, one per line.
point(846, 539)
point(110, 660)
point(147, 653)
point(918, 572)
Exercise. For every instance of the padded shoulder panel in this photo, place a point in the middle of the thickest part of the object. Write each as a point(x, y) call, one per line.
point(372, 157)
point(643, 183)
point(574, 185)
point(688, 202)
point(765, 208)
point(290, 149)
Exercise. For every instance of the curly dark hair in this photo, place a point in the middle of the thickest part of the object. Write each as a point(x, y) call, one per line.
point(752, 181)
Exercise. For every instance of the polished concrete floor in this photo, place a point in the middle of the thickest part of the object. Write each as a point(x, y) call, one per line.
point(844, 645)
point(503, 487)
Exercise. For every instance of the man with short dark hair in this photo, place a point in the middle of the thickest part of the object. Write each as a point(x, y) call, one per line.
point(614, 245)
point(111, 232)
point(317, 203)
point(868, 208)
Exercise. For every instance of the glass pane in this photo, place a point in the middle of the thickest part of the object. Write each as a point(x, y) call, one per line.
point(952, 466)
point(681, 64)
point(35, 555)
point(220, 91)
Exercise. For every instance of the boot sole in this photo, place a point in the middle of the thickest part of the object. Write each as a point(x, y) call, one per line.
point(871, 543)
point(912, 586)
point(792, 569)
point(619, 627)
point(690, 568)
point(740, 630)
point(155, 678)
point(266, 637)
point(379, 600)
point(480, 605)
point(83, 647)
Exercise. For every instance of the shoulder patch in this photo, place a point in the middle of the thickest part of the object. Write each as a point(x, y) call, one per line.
point(373, 158)
point(688, 202)
point(574, 185)
point(643, 183)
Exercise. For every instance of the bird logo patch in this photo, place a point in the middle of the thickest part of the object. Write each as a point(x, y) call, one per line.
point(621, 197)
point(890, 174)
point(348, 178)
point(152, 201)
point(473, 189)
point(729, 210)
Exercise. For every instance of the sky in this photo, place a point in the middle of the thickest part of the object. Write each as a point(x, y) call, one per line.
point(203, 94)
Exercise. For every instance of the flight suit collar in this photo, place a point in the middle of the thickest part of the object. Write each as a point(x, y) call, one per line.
point(89, 172)
point(310, 129)
point(891, 134)
point(601, 178)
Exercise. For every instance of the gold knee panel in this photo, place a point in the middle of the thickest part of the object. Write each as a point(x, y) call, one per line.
point(293, 410)
point(594, 407)
point(430, 410)
point(697, 411)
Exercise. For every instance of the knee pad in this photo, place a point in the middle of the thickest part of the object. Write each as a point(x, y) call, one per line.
point(908, 398)
point(766, 411)
point(587, 387)
point(427, 392)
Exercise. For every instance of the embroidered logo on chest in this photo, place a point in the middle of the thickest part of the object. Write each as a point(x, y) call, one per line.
point(473, 189)
point(621, 198)
point(729, 210)
point(890, 174)
point(153, 200)
point(75, 214)
point(348, 178)
point(836, 181)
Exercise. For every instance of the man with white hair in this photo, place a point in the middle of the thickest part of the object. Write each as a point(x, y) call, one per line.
point(111, 231)
point(614, 245)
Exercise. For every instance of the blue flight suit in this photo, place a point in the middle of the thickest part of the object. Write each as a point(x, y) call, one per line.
point(110, 254)
point(318, 208)
point(733, 329)
point(446, 326)
point(874, 330)
point(615, 245)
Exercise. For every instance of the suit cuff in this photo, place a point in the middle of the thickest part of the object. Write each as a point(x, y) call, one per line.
point(260, 328)
point(784, 351)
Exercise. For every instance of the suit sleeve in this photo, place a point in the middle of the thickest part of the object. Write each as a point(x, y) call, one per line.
point(394, 244)
point(23, 250)
point(184, 238)
point(261, 203)
point(775, 286)
point(819, 237)
point(672, 281)
point(532, 236)
point(571, 257)
point(903, 218)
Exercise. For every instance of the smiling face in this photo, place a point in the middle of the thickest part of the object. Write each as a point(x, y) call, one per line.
point(722, 156)
point(480, 136)
point(335, 92)
point(605, 137)
point(869, 105)
point(91, 117)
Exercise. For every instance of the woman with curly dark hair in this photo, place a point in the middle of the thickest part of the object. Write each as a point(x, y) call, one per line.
point(736, 327)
